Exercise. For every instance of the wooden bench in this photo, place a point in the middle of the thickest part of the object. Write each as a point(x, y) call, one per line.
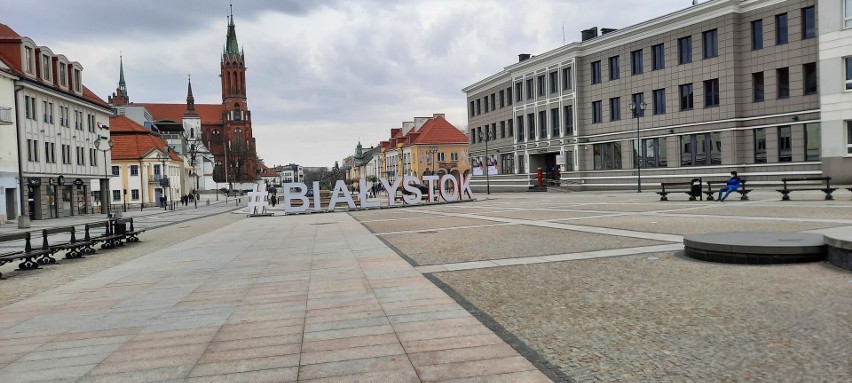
point(806, 183)
point(125, 226)
point(711, 191)
point(108, 239)
point(74, 247)
point(692, 188)
point(27, 255)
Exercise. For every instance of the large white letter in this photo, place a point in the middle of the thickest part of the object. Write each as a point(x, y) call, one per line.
point(430, 181)
point(391, 189)
point(345, 196)
point(300, 195)
point(362, 195)
point(317, 206)
point(465, 188)
point(447, 195)
point(415, 196)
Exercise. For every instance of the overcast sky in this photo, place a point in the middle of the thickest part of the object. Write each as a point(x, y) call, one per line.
point(321, 74)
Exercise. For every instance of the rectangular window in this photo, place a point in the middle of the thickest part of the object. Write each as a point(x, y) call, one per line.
point(493, 103)
point(542, 124)
point(530, 91)
point(785, 144)
point(711, 43)
point(134, 194)
point(502, 129)
point(77, 81)
point(478, 107)
point(847, 13)
point(638, 99)
point(554, 82)
point(472, 108)
point(502, 99)
point(454, 156)
point(554, 122)
point(566, 78)
point(810, 77)
point(760, 146)
point(615, 109)
point(701, 149)
point(686, 97)
point(781, 29)
point(684, 50)
point(29, 150)
point(509, 96)
point(45, 67)
point(510, 128)
point(66, 154)
point(519, 91)
point(50, 111)
point(711, 93)
point(757, 85)
point(651, 153)
point(63, 75)
point(848, 63)
point(613, 68)
point(441, 156)
point(116, 195)
point(35, 151)
point(607, 156)
point(531, 126)
point(28, 56)
point(597, 112)
point(568, 114)
point(93, 157)
point(508, 163)
point(44, 113)
point(134, 170)
point(849, 137)
point(520, 123)
point(542, 90)
point(472, 135)
point(636, 62)
point(658, 58)
point(782, 77)
point(596, 72)
point(808, 23)
point(659, 101)
point(115, 170)
point(812, 142)
point(487, 106)
point(757, 34)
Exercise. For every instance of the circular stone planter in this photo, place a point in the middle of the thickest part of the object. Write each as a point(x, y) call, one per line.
point(756, 248)
point(839, 242)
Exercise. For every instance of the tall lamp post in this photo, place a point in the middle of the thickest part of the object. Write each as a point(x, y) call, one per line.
point(219, 168)
point(164, 181)
point(638, 111)
point(488, 137)
point(105, 146)
point(431, 151)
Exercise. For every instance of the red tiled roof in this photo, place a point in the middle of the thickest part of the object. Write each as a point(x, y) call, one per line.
point(133, 141)
point(8, 33)
point(438, 131)
point(265, 171)
point(124, 125)
point(93, 98)
point(211, 114)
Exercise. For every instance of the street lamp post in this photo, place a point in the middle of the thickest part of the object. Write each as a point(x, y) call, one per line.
point(487, 176)
point(163, 180)
point(218, 166)
point(431, 151)
point(638, 111)
point(105, 146)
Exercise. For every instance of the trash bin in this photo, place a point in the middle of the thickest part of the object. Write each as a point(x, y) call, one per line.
point(119, 227)
point(695, 189)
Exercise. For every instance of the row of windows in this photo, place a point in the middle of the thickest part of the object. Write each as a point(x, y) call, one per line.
point(46, 72)
point(808, 24)
point(550, 83)
point(116, 195)
point(539, 126)
point(31, 113)
point(710, 40)
point(491, 102)
point(65, 151)
point(483, 133)
point(705, 149)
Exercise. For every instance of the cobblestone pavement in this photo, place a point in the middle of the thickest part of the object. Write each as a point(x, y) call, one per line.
point(633, 313)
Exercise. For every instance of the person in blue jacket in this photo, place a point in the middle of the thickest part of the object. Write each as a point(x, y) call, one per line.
point(732, 185)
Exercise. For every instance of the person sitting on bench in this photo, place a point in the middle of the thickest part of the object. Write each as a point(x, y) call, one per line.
point(732, 185)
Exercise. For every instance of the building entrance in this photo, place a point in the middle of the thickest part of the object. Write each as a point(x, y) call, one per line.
point(547, 163)
point(11, 204)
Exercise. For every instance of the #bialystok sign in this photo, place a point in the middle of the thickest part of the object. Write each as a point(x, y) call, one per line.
point(449, 188)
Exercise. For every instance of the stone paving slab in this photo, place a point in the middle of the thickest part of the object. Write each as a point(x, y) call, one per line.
point(694, 225)
point(421, 222)
point(309, 298)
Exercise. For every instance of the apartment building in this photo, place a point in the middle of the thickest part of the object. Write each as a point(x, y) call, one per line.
point(725, 84)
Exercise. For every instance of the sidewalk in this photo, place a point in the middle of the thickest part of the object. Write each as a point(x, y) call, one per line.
point(314, 298)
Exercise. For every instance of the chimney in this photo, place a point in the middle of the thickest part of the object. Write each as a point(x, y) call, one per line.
point(524, 56)
point(607, 30)
point(589, 33)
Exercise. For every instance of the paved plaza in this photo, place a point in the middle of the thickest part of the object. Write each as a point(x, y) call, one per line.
point(526, 287)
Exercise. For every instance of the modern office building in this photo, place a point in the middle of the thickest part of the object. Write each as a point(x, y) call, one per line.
point(725, 84)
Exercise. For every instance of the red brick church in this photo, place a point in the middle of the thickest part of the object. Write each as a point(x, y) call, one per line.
point(224, 129)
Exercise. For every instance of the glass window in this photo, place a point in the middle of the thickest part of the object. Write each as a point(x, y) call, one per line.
point(711, 43)
point(849, 137)
point(637, 99)
point(659, 101)
point(507, 163)
point(486, 104)
point(808, 23)
point(760, 146)
point(472, 109)
point(554, 82)
point(596, 72)
point(509, 96)
point(541, 86)
point(615, 109)
point(28, 57)
point(782, 76)
point(597, 112)
point(711, 93)
point(810, 77)
point(502, 99)
point(701, 149)
point(510, 127)
point(781, 29)
point(653, 153)
point(785, 144)
point(116, 195)
point(554, 122)
point(757, 84)
point(658, 58)
point(636, 62)
point(848, 63)
point(607, 156)
point(684, 50)
point(531, 126)
point(520, 128)
point(686, 97)
point(847, 13)
point(566, 78)
point(502, 129)
point(812, 142)
point(613, 68)
point(530, 91)
point(542, 124)
point(757, 34)
point(519, 92)
point(134, 194)
point(568, 112)
point(478, 107)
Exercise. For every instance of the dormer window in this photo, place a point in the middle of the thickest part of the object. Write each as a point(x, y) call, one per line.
point(29, 58)
point(45, 67)
point(63, 74)
point(77, 83)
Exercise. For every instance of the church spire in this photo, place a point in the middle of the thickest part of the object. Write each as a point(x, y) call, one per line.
point(231, 46)
point(121, 85)
point(190, 99)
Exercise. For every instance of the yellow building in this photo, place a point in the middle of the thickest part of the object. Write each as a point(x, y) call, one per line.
point(425, 146)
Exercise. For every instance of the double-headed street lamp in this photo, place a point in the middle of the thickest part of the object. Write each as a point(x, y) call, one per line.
point(638, 111)
point(488, 137)
point(164, 181)
point(105, 145)
point(431, 151)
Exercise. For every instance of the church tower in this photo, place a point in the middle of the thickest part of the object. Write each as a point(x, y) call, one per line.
point(120, 97)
